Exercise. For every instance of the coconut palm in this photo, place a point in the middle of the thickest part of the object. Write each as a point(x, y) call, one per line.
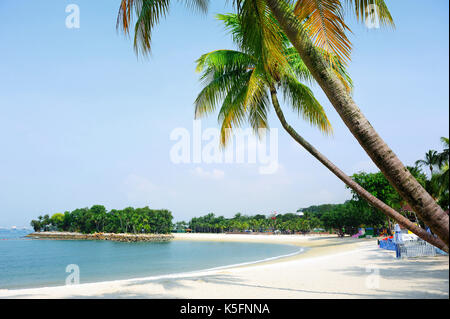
point(237, 83)
point(290, 20)
point(326, 15)
point(431, 160)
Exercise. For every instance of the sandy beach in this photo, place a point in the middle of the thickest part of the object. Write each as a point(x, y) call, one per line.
point(329, 267)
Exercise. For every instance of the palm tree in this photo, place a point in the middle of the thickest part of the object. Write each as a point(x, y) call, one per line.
point(438, 184)
point(431, 160)
point(238, 82)
point(329, 15)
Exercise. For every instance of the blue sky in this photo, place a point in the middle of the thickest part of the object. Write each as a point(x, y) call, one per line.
point(84, 122)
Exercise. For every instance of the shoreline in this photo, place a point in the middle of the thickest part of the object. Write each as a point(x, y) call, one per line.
point(267, 260)
point(290, 240)
point(101, 236)
point(297, 276)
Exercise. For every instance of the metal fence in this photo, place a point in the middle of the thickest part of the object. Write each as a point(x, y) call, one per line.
point(411, 248)
point(415, 248)
point(388, 244)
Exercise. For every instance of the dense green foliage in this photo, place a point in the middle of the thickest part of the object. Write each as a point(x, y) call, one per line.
point(379, 186)
point(258, 223)
point(438, 183)
point(344, 218)
point(97, 219)
point(348, 217)
point(318, 210)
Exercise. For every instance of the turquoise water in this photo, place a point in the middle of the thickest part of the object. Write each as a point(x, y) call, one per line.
point(26, 263)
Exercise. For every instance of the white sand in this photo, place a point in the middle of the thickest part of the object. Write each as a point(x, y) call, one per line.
point(330, 268)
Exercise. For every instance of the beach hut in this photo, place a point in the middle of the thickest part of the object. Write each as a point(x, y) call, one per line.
point(369, 232)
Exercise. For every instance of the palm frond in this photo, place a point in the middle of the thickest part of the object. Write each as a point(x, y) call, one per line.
point(197, 5)
point(232, 25)
point(215, 90)
point(224, 61)
point(148, 13)
point(324, 22)
point(257, 101)
point(261, 35)
point(302, 100)
point(302, 72)
point(233, 112)
point(222, 69)
point(257, 113)
point(341, 73)
point(239, 81)
point(299, 67)
point(363, 10)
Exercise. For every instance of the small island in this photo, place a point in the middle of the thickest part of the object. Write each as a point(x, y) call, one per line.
point(96, 223)
point(102, 236)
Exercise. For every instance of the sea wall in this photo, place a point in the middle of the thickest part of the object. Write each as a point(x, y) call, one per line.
point(102, 236)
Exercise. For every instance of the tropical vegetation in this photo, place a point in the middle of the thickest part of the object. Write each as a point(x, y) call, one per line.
point(437, 182)
point(97, 220)
point(289, 222)
point(345, 218)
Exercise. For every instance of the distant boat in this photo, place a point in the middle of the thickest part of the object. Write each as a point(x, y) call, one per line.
point(14, 227)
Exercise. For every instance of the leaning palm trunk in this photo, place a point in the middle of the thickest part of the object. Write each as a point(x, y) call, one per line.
point(389, 164)
point(387, 210)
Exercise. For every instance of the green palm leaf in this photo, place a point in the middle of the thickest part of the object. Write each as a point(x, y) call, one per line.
point(302, 100)
point(240, 81)
point(148, 13)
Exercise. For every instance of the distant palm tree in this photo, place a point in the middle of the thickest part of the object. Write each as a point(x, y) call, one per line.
point(438, 184)
point(431, 160)
point(443, 157)
point(238, 82)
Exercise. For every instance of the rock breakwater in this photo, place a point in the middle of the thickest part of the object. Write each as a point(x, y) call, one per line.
point(103, 236)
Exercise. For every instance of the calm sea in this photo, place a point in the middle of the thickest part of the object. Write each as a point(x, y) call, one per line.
point(26, 263)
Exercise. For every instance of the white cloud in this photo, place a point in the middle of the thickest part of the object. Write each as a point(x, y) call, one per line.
point(139, 188)
point(214, 174)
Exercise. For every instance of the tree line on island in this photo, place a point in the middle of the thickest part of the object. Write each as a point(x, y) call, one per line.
point(97, 220)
